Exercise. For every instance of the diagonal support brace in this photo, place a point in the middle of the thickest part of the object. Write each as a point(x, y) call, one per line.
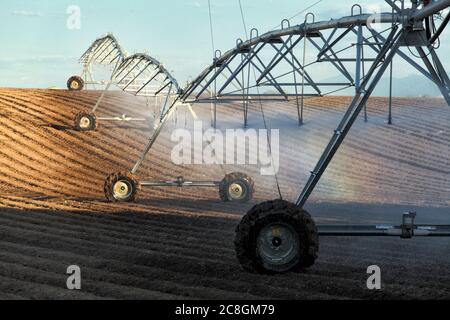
point(353, 111)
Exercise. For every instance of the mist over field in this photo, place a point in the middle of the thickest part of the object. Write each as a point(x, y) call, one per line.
point(54, 213)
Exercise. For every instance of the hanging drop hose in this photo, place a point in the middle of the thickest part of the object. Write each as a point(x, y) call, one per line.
point(438, 32)
point(262, 108)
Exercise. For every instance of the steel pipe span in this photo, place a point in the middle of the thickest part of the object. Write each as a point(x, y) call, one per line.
point(149, 61)
point(104, 50)
point(312, 27)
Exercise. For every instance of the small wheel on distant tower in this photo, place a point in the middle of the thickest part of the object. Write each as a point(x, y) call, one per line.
point(277, 237)
point(122, 187)
point(236, 187)
point(75, 83)
point(85, 121)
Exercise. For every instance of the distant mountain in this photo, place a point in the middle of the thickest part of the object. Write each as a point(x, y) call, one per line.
point(411, 86)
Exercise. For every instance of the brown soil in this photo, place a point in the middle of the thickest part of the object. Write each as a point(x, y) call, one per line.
point(178, 243)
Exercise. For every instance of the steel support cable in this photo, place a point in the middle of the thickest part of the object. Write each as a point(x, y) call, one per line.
point(213, 92)
point(308, 97)
point(269, 143)
point(312, 63)
point(211, 29)
point(342, 22)
point(308, 65)
point(299, 13)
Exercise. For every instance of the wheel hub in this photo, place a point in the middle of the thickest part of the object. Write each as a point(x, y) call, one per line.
point(74, 85)
point(122, 190)
point(278, 244)
point(85, 122)
point(236, 191)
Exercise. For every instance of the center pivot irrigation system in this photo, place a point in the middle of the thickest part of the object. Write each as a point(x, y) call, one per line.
point(104, 51)
point(279, 236)
point(143, 75)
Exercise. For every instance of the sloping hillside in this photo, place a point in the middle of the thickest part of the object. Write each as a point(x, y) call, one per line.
point(177, 243)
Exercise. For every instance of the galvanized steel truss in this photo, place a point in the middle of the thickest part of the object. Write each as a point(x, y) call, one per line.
point(142, 75)
point(104, 51)
point(245, 69)
point(282, 62)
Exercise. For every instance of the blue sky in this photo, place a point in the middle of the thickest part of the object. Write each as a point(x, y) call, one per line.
point(38, 50)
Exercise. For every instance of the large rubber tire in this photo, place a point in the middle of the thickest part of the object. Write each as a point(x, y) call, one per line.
point(85, 121)
point(242, 182)
point(122, 187)
point(289, 216)
point(75, 83)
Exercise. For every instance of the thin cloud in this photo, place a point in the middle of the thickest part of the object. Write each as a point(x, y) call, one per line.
point(38, 59)
point(25, 13)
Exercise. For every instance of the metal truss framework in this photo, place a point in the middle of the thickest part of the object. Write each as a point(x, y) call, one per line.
point(138, 74)
point(271, 61)
point(105, 51)
point(142, 75)
point(344, 47)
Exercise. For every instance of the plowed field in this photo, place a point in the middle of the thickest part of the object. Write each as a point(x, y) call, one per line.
point(178, 243)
